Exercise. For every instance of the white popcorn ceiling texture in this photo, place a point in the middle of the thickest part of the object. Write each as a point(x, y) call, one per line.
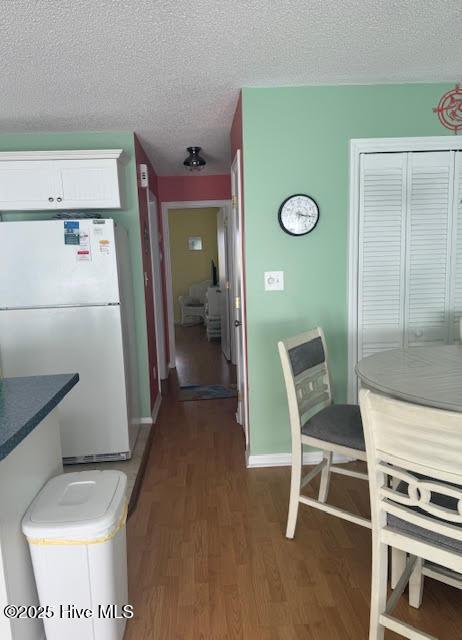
point(172, 70)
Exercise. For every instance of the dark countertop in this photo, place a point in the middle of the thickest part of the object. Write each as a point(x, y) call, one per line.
point(25, 402)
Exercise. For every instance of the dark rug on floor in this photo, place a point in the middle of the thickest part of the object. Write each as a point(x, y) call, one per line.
point(206, 392)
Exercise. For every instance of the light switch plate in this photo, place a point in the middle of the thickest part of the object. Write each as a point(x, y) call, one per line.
point(274, 280)
point(144, 177)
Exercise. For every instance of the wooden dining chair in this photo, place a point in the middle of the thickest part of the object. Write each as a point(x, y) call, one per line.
point(317, 422)
point(415, 481)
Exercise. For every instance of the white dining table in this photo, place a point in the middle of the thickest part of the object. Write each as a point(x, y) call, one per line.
point(430, 376)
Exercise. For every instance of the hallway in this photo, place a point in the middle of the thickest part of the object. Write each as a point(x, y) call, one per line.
point(200, 361)
point(208, 559)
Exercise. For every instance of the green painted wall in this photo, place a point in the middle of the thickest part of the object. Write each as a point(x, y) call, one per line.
point(127, 216)
point(296, 139)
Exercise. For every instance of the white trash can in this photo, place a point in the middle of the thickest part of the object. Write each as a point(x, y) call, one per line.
point(76, 532)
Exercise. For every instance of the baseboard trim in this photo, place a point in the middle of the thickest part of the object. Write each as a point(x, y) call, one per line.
point(157, 404)
point(145, 421)
point(285, 459)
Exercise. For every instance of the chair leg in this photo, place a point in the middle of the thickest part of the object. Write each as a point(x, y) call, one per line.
point(398, 564)
point(325, 477)
point(416, 583)
point(398, 557)
point(295, 482)
point(378, 588)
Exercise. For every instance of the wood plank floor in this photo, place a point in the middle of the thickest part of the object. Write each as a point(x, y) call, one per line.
point(208, 559)
point(199, 361)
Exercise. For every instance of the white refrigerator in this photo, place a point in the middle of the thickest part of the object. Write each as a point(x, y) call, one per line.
point(66, 306)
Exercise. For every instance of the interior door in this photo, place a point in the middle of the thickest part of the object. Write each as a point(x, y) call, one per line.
point(242, 414)
point(154, 384)
point(405, 246)
point(223, 268)
point(382, 248)
point(156, 257)
point(456, 304)
point(429, 247)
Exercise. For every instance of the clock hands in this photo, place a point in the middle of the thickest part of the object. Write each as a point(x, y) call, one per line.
point(298, 214)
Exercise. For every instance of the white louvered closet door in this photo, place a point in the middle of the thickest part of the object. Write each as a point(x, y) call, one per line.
point(430, 179)
point(381, 269)
point(456, 280)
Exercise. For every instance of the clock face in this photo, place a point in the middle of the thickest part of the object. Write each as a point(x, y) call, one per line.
point(298, 215)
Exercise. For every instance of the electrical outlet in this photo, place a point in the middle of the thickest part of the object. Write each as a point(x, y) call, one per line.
point(274, 280)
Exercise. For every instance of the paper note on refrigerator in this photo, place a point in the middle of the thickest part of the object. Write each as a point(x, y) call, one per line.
point(105, 246)
point(71, 232)
point(84, 250)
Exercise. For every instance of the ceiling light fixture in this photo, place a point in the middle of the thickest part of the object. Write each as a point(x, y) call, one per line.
point(194, 162)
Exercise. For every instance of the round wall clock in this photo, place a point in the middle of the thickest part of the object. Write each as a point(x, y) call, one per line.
point(298, 214)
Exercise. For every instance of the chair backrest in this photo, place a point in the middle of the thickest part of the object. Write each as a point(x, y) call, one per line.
point(405, 442)
point(306, 374)
point(199, 290)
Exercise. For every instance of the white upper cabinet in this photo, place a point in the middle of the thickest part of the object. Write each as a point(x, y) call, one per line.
point(36, 181)
point(28, 185)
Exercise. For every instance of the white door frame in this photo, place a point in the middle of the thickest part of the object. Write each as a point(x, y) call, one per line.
point(360, 146)
point(239, 306)
point(166, 206)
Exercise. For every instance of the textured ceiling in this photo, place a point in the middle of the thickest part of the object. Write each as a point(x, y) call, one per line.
point(171, 70)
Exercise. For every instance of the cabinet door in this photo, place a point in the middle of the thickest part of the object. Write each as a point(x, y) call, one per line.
point(428, 247)
point(381, 269)
point(28, 185)
point(88, 184)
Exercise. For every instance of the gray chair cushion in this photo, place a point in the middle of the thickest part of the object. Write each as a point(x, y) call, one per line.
point(339, 424)
point(306, 356)
point(428, 536)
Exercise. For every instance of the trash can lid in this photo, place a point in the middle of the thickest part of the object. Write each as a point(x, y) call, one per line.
point(85, 505)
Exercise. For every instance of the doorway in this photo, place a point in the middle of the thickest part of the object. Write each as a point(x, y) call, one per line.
point(199, 259)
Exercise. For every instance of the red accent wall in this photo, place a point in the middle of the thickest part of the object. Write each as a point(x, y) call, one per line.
point(189, 188)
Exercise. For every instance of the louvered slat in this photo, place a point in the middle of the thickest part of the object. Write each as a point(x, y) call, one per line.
point(381, 253)
point(429, 184)
point(456, 302)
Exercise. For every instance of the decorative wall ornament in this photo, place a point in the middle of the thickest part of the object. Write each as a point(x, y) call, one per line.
point(449, 109)
point(195, 243)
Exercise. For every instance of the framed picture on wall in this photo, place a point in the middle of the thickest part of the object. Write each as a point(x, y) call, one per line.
point(195, 243)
